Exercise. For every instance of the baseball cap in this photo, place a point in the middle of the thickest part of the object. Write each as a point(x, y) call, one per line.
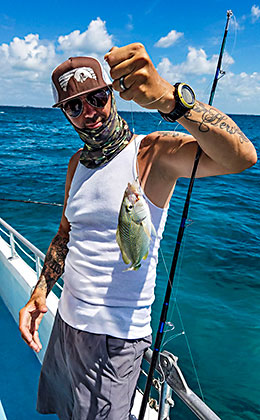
point(76, 76)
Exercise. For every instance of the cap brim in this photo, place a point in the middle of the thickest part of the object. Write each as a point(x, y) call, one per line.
point(101, 86)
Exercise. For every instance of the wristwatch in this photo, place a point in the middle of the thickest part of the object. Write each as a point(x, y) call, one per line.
point(184, 100)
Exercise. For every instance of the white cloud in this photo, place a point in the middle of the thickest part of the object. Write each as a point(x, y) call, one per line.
point(26, 63)
point(168, 40)
point(196, 63)
point(130, 25)
point(255, 12)
point(198, 69)
point(95, 40)
point(29, 54)
point(243, 86)
point(168, 71)
point(235, 92)
point(237, 24)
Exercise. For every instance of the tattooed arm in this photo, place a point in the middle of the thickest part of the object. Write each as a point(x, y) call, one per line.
point(32, 313)
point(220, 139)
point(54, 263)
point(226, 149)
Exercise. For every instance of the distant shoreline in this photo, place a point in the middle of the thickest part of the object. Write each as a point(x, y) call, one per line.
point(128, 112)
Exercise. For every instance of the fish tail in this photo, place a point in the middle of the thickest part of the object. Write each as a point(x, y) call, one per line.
point(132, 268)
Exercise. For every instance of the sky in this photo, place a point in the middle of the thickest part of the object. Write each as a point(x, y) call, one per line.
point(183, 40)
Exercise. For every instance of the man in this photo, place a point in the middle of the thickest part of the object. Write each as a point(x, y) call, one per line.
point(102, 326)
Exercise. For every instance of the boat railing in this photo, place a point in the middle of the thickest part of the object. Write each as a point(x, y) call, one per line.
point(37, 256)
point(170, 377)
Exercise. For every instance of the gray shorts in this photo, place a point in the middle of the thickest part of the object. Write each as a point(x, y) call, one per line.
point(89, 376)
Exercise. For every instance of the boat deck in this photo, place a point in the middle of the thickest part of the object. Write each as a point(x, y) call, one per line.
point(20, 370)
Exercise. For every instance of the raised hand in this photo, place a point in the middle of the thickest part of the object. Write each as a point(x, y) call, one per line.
point(136, 78)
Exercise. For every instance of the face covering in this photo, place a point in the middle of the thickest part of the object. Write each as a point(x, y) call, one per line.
point(104, 143)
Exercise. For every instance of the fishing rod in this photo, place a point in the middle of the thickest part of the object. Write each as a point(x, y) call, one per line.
point(166, 302)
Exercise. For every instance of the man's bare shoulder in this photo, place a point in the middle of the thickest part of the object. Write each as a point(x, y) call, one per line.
point(163, 140)
point(165, 136)
point(74, 160)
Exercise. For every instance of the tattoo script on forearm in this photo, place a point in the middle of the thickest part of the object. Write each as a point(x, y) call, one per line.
point(53, 264)
point(172, 134)
point(210, 116)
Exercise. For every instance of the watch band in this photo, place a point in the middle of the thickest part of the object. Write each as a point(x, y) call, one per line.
point(179, 109)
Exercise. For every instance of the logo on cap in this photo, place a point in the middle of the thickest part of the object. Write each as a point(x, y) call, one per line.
point(80, 74)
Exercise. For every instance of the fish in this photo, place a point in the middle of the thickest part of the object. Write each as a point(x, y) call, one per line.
point(134, 228)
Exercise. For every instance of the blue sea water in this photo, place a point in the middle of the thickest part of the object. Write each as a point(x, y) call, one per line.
point(217, 286)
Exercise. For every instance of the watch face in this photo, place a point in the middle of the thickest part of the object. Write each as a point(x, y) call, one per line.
point(187, 96)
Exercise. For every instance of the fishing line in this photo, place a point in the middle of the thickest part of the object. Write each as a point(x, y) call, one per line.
point(155, 100)
point(192, 359)
point(135, 162)
point(225, 63)
point(175, 287)
point(32, 202)
point(174, 305)
point(235, 33)
point(155, 116)
point(170, 324)
point(132, 115)
point(166, 302)
point(225, 59)
point(176, 284)
point(173, 337)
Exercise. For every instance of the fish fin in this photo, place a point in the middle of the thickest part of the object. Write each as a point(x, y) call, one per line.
point(146, 231)
point(145, 256)
point(128, 269)
point(133, 268)
point(153, 231)
point(124, 256)
point(118, 237)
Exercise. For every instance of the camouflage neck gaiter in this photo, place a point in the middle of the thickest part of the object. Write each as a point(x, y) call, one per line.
point(104, 143)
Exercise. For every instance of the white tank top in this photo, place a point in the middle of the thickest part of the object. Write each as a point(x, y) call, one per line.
point(98, 295)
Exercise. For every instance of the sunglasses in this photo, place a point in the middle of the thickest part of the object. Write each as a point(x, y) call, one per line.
point(97, 99)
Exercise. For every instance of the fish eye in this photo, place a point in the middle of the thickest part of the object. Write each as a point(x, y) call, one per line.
point(129, 207)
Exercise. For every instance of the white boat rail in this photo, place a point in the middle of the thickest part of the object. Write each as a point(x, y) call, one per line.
point(173, 379)
point(38, 256)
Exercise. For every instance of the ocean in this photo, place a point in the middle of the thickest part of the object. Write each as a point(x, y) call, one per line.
point(216, 294)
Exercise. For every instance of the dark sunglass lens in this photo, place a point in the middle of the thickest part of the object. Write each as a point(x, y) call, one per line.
point(73, 108)
point(99, 98)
